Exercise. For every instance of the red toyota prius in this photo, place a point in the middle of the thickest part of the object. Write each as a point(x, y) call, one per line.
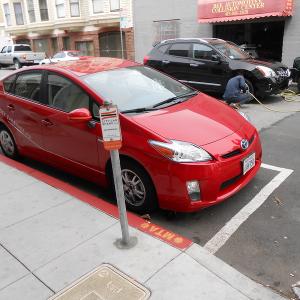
point(182, 150)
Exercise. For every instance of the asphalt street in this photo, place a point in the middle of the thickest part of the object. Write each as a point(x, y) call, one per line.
point(266, 245)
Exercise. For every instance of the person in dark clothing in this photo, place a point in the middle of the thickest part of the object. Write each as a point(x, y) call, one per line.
point(237, 91)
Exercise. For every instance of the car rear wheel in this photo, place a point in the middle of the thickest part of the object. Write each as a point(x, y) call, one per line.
point(7, 143)
point(140, 194)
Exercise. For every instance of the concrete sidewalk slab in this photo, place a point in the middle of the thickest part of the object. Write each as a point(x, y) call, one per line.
point(64, 238)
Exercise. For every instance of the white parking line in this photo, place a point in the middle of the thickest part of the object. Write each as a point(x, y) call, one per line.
point(214, 244)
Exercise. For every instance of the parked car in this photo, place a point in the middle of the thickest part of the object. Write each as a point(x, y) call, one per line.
point(61, 56)
point(250, 49)
point(296, 72)
point(19, 55)
point(182, 150)
point(208, 64)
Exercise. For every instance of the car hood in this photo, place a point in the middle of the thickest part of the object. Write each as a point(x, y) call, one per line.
point(267, 63)
point(200, 120)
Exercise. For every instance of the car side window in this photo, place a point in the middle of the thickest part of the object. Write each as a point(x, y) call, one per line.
point(9, 49)
point(59, 55)
point(65, 95)
point(8, 83)
point(4, 49)
point(163, 48)
point(201, 51)
point(28, 86)
point(180, 49)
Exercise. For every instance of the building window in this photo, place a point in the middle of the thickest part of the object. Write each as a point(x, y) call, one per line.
point(60, 8)
point(7, 14)
point(85, 48)
point(114, 5)
point(74, 8)
point(98, 6)
point(43, 10)
point(31, 12)
point(164, 30)
point(110, 44)
point(18, 13)
point(41, 45)
point(66, 43)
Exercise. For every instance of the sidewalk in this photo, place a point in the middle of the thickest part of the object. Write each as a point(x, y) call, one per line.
point(49, 239)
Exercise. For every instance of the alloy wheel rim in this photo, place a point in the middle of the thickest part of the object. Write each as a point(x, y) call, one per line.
point(134, 189)
point(7, 143)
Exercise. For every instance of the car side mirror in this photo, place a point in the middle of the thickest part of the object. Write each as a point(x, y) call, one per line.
point(216, 58)
point(80, 115)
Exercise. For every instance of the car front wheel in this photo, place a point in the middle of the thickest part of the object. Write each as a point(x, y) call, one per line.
point(7, 143)
point(139, 191)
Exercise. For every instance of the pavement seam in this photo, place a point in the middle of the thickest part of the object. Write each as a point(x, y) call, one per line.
point(31, 272)
point(76, 246)
point(163, 266)
point(39, 213)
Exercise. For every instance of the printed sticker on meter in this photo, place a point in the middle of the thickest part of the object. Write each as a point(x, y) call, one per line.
point(111, 130)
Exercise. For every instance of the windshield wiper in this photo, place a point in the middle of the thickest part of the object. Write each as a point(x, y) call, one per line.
point(175, 98)
point(138, 110)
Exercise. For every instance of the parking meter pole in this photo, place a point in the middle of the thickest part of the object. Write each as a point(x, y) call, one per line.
point(126, 242)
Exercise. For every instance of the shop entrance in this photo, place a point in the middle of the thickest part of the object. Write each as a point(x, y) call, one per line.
point(266, 37)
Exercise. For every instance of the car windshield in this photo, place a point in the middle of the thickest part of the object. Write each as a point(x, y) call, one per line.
point(232, 51)
point(136, 87)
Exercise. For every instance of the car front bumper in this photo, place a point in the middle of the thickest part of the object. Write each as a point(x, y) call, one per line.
point(272, 86)
point(218, 179)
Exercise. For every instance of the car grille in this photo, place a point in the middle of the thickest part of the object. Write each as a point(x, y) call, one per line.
point(282, 73)
point(231, 181)
point(237, 151)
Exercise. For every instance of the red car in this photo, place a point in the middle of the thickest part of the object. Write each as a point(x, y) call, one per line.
point(182, 150)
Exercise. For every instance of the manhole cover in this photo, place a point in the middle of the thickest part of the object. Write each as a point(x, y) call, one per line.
point(104, 283)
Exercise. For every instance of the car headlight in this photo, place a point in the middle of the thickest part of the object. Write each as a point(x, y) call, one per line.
point(266, 72)
point(244, 115)
point(181, 151)
point(288, 72)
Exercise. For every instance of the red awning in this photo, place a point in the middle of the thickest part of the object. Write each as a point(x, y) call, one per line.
point(211, 11)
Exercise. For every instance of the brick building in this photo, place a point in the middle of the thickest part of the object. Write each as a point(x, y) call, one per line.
point(90, 26)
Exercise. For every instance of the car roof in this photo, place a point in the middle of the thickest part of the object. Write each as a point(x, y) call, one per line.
point(89, 65)
point(203, 40)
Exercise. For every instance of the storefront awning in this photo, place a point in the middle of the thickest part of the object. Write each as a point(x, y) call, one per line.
point(211, 11)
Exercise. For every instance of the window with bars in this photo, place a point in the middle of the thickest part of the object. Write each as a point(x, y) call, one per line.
point(114, 5)
point(98, 6)
point(60, 8)
point(31, 13)
point(166, 29)
point(74, 8)
point(18, 13)
point(43, 10)
point(7, 14)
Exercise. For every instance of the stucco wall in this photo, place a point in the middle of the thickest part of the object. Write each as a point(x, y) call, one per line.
point(291, 39)
point(145, 12)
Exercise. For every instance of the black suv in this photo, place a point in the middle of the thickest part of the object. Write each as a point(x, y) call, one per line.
point(207, 64)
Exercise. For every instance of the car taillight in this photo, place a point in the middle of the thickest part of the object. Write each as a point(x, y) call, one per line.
point(146, 59)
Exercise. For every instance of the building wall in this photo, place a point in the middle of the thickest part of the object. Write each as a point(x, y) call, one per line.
point(145, 12)
point(291, 39)
point(85, 27)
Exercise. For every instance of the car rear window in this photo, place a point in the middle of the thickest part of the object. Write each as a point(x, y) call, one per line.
point(22, 48)
point(163, 48)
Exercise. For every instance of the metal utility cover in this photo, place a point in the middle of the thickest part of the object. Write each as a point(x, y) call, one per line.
point(104, 283)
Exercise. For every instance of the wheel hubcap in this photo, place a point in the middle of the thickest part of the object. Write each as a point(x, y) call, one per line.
point(134, 189)
point(7, 143)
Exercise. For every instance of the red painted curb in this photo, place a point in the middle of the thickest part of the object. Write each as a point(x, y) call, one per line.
point(135, 221)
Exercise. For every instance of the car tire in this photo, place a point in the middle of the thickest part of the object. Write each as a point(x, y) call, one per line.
point(7, 143)
point(17, 64)
point(140, 194)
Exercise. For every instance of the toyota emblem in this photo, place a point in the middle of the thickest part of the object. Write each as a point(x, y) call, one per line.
point(244, 144)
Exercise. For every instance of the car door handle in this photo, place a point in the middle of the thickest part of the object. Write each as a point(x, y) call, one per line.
point(165, 62)
point(47, 123)
point(194, 65)
point(10, 107)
